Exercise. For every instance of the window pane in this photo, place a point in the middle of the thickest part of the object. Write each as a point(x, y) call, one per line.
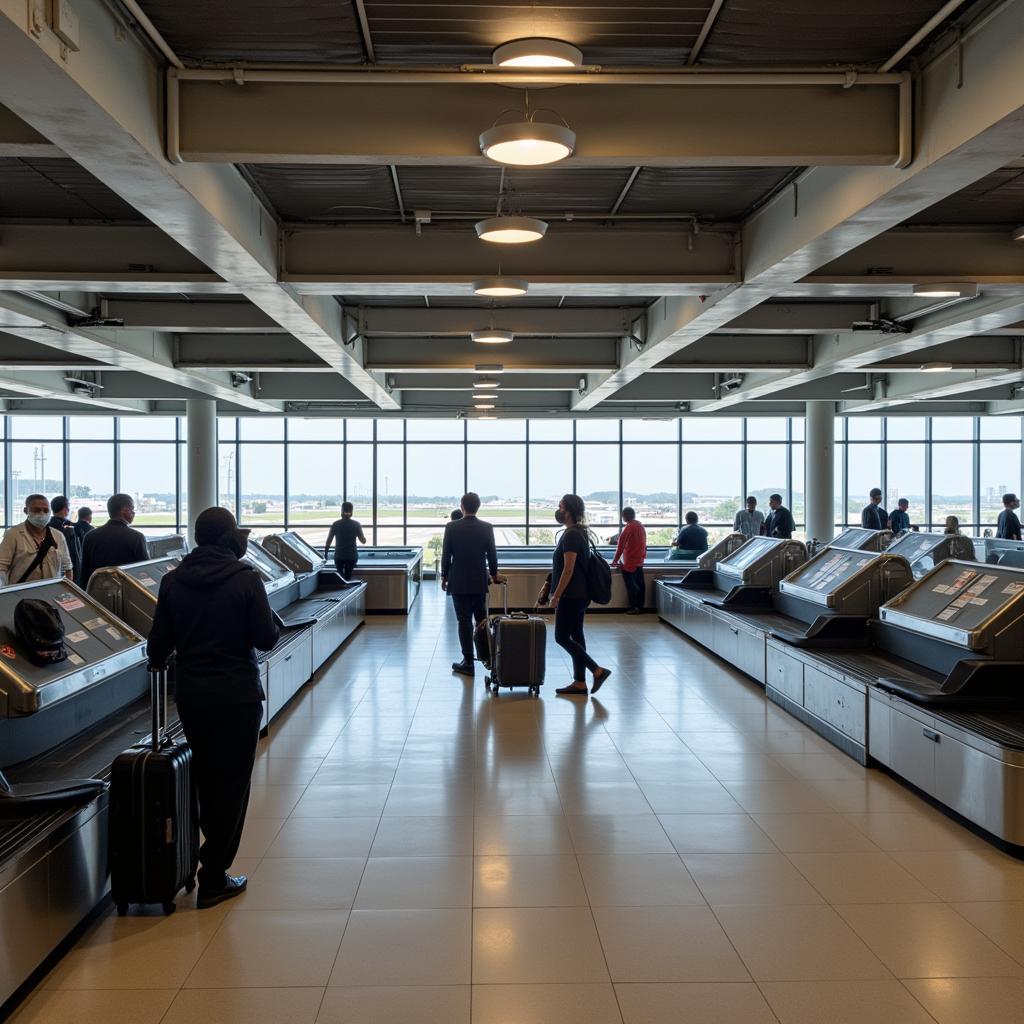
point(359, 481)
point(227, 475)
point(1000, 428)
point(359, 430)
point(434, 430)
point(390, 485)
point(88, 427)
point(315, 473)
point(262, 484)
point(148, 428)
point(650, 430)
point(551, 430)
point(227, 428)
point(766, 473)
point(183, 497)
point(865, 472)
point(597, 430)
point(712, 483)
point(1000, 472)
point(905, 428)
point(498, 474)
point(837, 482)
point(35, 469)
point(597, 483)
point(550, 478)
point(712, 428)
point(92, 477)
point(261, 428)
point(863, 428)
point(650, 483)
point(497, 430)
point(797, 428)
point(390, 430)
point(32, 427)
point(766, 428)
point(952, 473)
point(797, 506)
point(322, 428)
point(905, 470)
point(435, 482)
point(147, 473)
point(952, 428)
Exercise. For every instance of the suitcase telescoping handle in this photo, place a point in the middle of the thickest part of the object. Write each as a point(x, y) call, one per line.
point(158, 702)
point(504, 594)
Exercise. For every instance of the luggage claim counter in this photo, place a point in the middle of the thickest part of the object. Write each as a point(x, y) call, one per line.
point(292, 550)
point(130, 591)
point(924, 551)
point(856, 538)
point(393, 577)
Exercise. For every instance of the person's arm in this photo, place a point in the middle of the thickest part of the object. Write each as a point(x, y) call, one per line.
point(65, 565)
point(141, 548)
point(87, 558)
point(1015, 526)
point(330, 539)
point(736, 522)
point(446, 558)
point(6, 556)
point(262, 626)
point(619, 545)
point(160, 644)
point(362, 539)
point(492, 557)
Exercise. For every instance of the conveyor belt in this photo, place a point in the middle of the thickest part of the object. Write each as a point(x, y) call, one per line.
point(302, 611)
point(285, 640)
point(1006, 729)
point(870, 665)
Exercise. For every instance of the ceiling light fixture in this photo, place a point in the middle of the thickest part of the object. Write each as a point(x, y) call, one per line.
point(500, 287)
point(511, 230)
point(937, 367)
point(483, 405)
point(1018, 234)
point(485, 416)
point(484, 397)
point(490, 336)
point(946, 290)
point(529, 142)
point(486, 384)
point(537, 53)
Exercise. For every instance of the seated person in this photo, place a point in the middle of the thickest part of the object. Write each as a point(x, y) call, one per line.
point(692, 539)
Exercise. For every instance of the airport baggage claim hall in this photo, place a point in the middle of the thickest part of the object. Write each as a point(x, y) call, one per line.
point(745, 277)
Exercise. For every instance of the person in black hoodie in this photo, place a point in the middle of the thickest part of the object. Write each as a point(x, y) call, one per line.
point(59, 509)
point(211, 612)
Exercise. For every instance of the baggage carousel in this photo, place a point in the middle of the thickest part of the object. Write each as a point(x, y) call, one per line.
point(393, 577)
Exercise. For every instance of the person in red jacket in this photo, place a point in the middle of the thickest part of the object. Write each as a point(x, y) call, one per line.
point(630, 553)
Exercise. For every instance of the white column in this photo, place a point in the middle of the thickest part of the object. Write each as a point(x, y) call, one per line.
point(819, 470)
point(202, 458)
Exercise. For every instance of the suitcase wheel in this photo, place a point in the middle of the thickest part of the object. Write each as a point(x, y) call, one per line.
point(169, 908)
point(122, 909)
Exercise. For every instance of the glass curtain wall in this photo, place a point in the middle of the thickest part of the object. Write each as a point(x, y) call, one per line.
point(406, 476)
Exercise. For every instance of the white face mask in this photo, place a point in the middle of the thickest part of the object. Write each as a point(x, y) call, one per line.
point(38, 520)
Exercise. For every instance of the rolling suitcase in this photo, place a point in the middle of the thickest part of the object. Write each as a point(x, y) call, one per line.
point(516, 650)
point(154, 827)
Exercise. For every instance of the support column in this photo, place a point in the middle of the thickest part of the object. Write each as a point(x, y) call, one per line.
point(201, 415)
point(819, 470)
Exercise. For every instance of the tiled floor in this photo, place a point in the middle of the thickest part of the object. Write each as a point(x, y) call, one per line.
point(674, 850)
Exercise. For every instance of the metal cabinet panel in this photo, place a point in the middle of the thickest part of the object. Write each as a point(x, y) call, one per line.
point(725, 639)
point(24, 904)
point(832, 700)
point(784, 673)
point(880, 716)
point(751, 653)
point(78, 875)
point(913, 750)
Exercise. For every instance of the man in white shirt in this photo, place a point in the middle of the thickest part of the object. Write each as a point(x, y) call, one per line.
point(749, 521)
point(33, 550)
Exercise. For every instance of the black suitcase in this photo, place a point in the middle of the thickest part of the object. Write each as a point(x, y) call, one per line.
point(154, 827)
point(516, 650)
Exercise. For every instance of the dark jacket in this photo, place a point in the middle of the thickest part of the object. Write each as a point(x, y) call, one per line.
point(114, 543)
point(81, 529)
point(692, 538)
point(66, 527)
point(213, 610)
point(468, 556)
point(874, 517)
point(779, 523)
point(899, 521)
point(346, 531)
point(1008, 525)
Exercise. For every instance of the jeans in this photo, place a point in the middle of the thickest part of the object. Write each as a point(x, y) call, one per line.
point(223, 742)
point(345, 568)
point(635, 587)
point(469, 607)
point(569, 635)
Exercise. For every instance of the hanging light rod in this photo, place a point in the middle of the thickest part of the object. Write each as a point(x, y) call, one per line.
point(508, 230)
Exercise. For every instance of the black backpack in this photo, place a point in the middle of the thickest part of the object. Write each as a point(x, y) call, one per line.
point(599, 576)
point(40, 631)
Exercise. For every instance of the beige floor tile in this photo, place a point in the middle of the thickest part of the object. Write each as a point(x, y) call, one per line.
point(694, 1003)
point(528, 881)
point(347, 773)
point(511, 798)
point(545, 1004)
point(638, 880)
point(522, 834)
point(416, 883)
point(272, 948)
point(285, 771)
point(49, 1006)
point(245, 1006)
point(690, 798)
point(257, 836)
point(740, 767)
point(1002, 922)
point(843, 1002)
point(749, 879)
point(967, 875)
point(822, 766)
point(928, 941)
point(292, 883)
point(813, 833)
point(666, 944)
point(909, 830)
point(324, 837)
point(430, 801)
point(618, 834)
point(970, 1000)
point(291, 746)
point(424, 837)
point(435, 1004)
point(405, 947)
point(798, 943)
point(777, 796)
point(536, 946)
point(716, 833)
point(864, 877)
point(876, 792)
point(356, 801)
point(273, 801)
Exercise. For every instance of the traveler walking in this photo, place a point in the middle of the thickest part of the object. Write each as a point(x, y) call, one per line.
point(630, 552)
point(114, 543)
point(212, 611)
point(779, 522)
point(873, 516)
point(59, 520)
point(344, 533)
point(899, 518)
point(571, 594)
point(1008, 525)
point(749, 520)
point(32, 550)
point(469, 563)
point(692, 540)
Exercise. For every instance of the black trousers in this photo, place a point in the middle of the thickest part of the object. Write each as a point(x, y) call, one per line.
point(223, 742)
point(469, 608)
point(569, 635)
point(345, 567)
point(635, 587)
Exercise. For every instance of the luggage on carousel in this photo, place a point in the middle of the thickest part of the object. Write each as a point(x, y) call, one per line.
point(515, 649)
point(154, 827)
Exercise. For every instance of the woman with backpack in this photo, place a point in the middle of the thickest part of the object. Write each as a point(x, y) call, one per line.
point(571, 594)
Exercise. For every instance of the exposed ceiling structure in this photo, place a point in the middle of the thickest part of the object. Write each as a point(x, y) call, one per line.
point(275, 204)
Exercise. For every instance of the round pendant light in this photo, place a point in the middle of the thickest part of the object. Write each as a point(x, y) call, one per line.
point(946, 290)
point(500, 287)
point(486, 384)
point(537, 53)
point(528, 143)
point(511, 230)
point(483, 405)
point(937, 367)
point(490, 336)
point(484, 397)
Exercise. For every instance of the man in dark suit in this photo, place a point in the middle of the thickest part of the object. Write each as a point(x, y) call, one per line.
point(780, 520)
point(873, 516)
point(115, 543)
point(469, 562)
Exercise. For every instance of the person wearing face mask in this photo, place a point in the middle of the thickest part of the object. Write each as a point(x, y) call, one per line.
point(212, 613)
point(32, 550)
point(114, 543)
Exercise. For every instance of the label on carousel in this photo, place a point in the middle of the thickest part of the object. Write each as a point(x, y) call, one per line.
point(78, 636)
point(75, 659)
point(114, 634)
point(69, 602)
